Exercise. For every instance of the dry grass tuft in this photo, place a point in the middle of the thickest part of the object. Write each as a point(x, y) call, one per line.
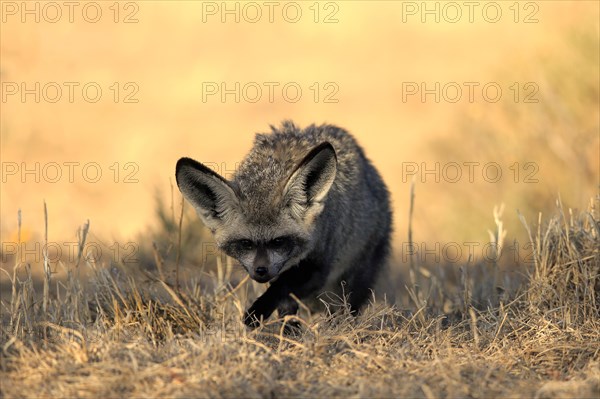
point(132, 334)
point(565, 282)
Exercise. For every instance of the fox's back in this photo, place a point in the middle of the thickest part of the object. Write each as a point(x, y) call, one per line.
point(274, 156)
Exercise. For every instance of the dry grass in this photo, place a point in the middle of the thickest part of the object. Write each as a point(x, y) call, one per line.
point(120, 335)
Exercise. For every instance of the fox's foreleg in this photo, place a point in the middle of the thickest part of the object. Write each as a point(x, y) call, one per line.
point(302, 280)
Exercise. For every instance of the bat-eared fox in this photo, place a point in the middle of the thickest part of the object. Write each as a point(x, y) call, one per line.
point(305, 211)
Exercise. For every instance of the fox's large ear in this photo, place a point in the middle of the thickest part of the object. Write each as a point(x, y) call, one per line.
point(209, 193)
point(309, 184)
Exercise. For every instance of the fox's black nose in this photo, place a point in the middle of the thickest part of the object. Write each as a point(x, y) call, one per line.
point(261, 270)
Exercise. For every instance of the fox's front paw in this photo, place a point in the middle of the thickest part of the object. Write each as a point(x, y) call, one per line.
point(292, 328)
point(260, 310)
point(250, 319)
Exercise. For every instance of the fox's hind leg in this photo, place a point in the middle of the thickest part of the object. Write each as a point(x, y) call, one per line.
point(362, 276)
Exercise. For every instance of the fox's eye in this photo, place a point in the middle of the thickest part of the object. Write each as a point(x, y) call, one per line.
point(279, 242)
point(246, 245)
point(237, 247)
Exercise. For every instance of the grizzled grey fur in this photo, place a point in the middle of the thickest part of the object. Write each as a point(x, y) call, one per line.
point(305, 211)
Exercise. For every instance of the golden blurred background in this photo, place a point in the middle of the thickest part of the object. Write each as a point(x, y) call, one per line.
point(125, 89)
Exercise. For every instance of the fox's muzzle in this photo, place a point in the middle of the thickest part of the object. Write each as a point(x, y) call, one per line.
point(260, 266)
